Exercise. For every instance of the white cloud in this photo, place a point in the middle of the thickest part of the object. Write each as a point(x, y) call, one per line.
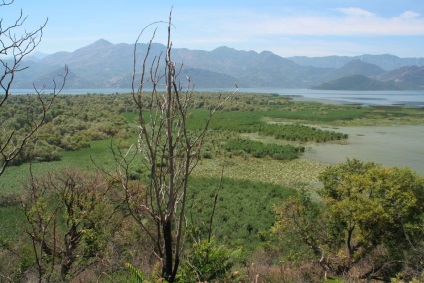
point(355, 12)
point(352, 22)
point(409, 15)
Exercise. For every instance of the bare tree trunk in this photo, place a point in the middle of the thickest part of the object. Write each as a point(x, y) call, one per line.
point(168, 150)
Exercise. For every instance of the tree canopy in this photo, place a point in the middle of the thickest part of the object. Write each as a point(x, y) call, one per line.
point(371, 219)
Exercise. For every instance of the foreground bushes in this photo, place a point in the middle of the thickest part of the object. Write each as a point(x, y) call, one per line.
point(369, 216)
point(369, 225)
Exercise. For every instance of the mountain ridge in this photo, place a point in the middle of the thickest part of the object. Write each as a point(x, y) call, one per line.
point(385, 61)
point(103, 64)
point(357, 82)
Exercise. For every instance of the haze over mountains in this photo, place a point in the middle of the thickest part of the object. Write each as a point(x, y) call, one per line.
point(106, 65)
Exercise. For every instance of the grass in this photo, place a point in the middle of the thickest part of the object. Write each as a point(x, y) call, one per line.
point(266, 170)
point(243, 209)
point(311, 111)
point(12, 179)
point(286, 173)
point(11, 218)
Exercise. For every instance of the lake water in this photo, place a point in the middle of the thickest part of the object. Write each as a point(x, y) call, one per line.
point(400, 146)
point(404, 97)
point(408, 98)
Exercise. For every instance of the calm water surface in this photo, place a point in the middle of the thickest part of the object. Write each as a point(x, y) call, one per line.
point(405, 97)
point(390, 97)
point(400, 146)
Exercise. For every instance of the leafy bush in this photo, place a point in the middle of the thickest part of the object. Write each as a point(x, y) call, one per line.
point(38, 151)
point(208, 262)
point(296, 132)
point(259, 150)
point(368, 225)
point(71, 124)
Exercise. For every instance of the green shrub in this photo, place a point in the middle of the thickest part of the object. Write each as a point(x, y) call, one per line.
point(260, 150)
point(208, 262)
point(40, 151)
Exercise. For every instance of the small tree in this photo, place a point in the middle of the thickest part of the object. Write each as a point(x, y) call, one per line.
point(169, 152)
point(13, 49)
point(68, 213)
point(371, 222)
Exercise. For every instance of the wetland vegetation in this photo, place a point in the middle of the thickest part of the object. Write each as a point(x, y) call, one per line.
point(253, 206)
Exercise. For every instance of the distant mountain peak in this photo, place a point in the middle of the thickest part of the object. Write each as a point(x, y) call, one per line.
point(358, 66)
point(102, 42)
point(224, 50)
point(98, 44)
point(220, 48)
point(266, 52)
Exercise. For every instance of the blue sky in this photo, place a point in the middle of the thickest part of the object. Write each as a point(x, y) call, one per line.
point(285, 27)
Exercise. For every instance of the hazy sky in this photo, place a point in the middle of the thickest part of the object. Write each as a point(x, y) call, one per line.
point(285, 27)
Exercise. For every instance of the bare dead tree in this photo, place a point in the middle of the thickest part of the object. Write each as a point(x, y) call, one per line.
point(15, 45)
point(168, 150)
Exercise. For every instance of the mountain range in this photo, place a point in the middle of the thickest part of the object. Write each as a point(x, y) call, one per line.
point(106, 65)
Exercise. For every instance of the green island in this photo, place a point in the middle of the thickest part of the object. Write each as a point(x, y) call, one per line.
point(255, 207)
